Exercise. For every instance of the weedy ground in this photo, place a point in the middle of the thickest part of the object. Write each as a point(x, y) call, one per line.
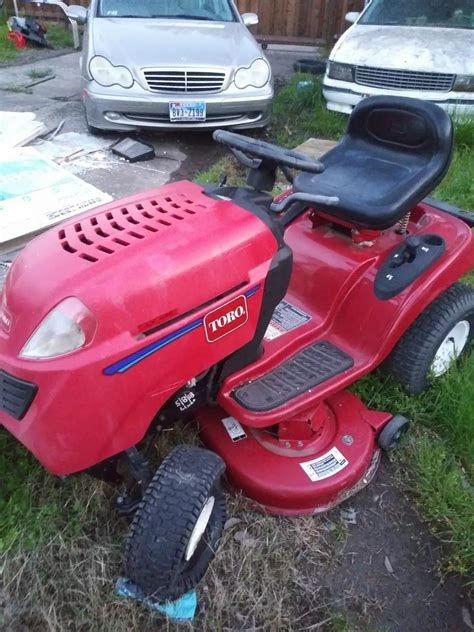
point(370, 567)
point(59, 36)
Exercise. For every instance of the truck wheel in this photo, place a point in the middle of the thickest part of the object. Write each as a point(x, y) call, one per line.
point(439, 336)
point(177, 527)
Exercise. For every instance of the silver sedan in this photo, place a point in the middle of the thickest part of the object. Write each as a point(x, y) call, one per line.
point(172, 64)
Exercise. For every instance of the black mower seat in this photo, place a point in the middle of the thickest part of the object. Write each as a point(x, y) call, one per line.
point(395, 151)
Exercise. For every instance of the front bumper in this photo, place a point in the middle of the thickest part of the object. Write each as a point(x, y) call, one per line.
point(125, 110)
point(342, 96)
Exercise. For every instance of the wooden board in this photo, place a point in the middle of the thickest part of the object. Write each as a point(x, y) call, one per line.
point(314, 148)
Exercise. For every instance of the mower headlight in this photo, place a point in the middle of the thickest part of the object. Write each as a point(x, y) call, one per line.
point(341, 72)
point(464, 83)
point(67, 327)
point(106, 74)
point(256, 75)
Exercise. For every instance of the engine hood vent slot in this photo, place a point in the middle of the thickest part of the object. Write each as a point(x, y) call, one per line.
point(96, 237)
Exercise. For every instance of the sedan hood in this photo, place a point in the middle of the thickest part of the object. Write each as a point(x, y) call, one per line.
point(139, 43)
point(407, 47)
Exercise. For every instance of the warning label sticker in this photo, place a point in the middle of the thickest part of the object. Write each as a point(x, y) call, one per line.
point(234, 429)
point(325, 466)
point(286, 317)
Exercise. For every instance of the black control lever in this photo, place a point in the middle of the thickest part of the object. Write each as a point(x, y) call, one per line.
point(409, 251)
point(412, 244)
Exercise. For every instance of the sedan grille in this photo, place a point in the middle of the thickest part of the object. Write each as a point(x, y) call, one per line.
point(184, 81)
point(403, 79)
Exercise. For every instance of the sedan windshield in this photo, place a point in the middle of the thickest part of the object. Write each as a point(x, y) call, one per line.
point(210, 10)
point(445, 13)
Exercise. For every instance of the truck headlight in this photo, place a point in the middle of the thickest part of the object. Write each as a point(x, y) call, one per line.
point(106, 74)
point(256, 75)
point(67, 327)
point(464, 83)
point(341, 72)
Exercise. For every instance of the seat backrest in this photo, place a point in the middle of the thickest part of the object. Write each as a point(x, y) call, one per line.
point(409, 126)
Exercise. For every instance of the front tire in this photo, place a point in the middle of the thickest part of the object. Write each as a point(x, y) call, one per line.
point(177, 527)
point(392, 433)
point(437, 339)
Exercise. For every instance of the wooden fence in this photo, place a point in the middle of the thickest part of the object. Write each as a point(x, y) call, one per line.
point(311, 22)
point(300, 21)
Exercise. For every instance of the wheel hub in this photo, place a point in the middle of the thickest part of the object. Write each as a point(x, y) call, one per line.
point(200, 527)
point(451, 348)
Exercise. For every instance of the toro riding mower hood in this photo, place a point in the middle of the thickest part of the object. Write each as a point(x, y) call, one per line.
point(248, 316)
point(87, 307)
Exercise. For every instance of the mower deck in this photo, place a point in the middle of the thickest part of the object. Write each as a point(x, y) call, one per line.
point(305, 466)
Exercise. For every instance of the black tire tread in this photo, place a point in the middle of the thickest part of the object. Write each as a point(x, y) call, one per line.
point(410, 361)
point(165, 519)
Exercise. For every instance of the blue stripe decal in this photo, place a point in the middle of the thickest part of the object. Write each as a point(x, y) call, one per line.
point(126, 363)
point(252, 291)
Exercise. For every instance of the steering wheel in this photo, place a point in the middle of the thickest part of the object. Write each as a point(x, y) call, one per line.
point(252, 153)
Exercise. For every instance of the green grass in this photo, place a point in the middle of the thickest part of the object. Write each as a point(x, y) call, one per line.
point(299, 114)
point(34, 506)
point(458, 185)
point(58, 36)
point(437, 464)
point(444, 496)
point(8, 51)
point(39, 73)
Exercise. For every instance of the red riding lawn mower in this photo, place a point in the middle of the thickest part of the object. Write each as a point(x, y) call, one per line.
point(250, 315)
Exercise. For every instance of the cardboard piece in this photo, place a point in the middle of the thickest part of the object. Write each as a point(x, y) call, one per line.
point(36, 193)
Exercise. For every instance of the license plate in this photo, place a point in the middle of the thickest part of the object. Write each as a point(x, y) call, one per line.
point(187, 111)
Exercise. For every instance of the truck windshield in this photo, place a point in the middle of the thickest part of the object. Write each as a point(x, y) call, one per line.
point(209, 10)
point(445, 13)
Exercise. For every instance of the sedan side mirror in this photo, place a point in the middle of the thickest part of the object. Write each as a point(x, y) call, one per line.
point(77, 13)
point(352, 16)
point(250, 19)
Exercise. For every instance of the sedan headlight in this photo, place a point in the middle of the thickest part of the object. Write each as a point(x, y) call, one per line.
point(106, 74)
point(464, 83)
point(256, 75)
point(67, 327)
point(341, 72)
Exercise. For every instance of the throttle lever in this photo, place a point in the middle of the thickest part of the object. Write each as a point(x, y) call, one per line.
point(280, 207)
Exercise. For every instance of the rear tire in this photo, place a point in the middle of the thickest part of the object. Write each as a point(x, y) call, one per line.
point(437, 339)
point(176, 530)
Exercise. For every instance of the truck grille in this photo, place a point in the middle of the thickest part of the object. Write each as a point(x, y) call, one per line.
point(15, 395)
point(184, 81)
point(403, 79)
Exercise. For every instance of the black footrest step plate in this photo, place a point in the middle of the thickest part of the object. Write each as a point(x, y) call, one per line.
point(308, 368)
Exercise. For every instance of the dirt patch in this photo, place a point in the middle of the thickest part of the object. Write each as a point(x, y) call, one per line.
point(201, 151)
point(386, 574)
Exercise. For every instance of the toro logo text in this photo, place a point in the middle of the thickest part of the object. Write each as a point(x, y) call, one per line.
point(225, 319)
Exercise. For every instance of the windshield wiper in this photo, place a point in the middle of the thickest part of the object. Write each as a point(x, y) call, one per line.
point(186, 17)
